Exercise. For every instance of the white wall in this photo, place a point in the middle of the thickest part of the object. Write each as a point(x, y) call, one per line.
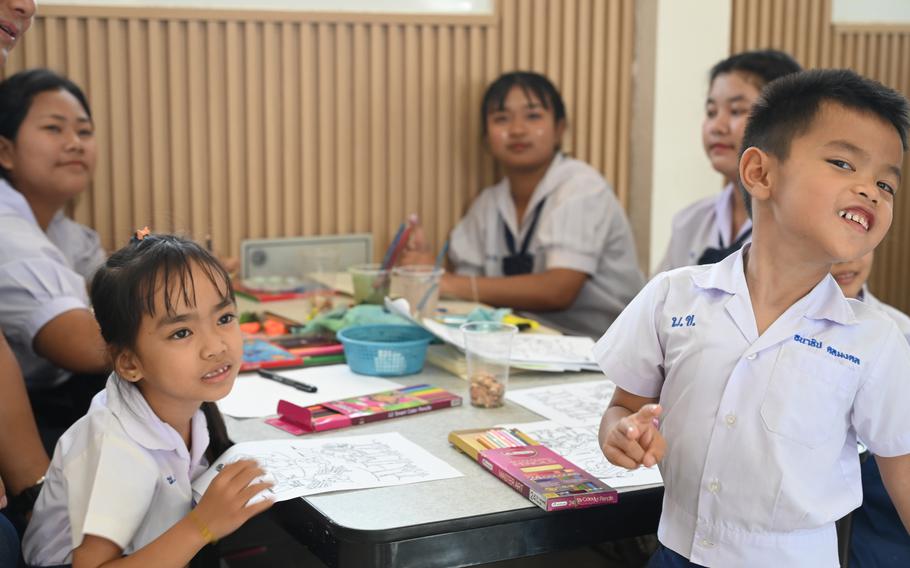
point(691, 37)
point(895, 12)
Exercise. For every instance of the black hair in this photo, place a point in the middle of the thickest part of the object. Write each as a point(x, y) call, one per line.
point(764, 64)
point(530, 83)
point(123, 292)
point(789, 105)
point(18, 91)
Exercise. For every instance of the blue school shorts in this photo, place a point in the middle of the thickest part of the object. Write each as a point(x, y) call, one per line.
point(666, 558)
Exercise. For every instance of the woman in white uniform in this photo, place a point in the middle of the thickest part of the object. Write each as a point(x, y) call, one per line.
point(551, 237)
point(708, 230)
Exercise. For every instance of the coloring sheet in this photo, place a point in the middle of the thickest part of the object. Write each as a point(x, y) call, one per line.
point(579, 445)
point(575, 404)
point(307, 467)
point(254, 396)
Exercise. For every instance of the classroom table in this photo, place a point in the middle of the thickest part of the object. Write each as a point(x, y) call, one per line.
point(464, 521)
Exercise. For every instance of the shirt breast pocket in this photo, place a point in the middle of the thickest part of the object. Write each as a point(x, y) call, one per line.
point(809, 396)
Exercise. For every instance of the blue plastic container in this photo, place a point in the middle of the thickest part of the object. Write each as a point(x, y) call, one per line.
point(385, 350)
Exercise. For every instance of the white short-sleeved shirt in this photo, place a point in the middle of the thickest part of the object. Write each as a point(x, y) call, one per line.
point(899, 317)
point(581, 227)
point(42, 275)
point(704, 224)
point(119, 473)
point(761, 430)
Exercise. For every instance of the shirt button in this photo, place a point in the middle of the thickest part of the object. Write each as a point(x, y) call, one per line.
point(751, 357)
point(707, 543)
point(730, 419)
point(714, 486)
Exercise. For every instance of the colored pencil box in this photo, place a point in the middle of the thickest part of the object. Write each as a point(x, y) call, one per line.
point(362, 409)
point(547, 479)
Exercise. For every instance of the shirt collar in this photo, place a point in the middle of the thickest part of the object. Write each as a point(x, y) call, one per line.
point(547, 185)
point(11, 201)
point(824, 301)
point(723, 213)
point(140, 422)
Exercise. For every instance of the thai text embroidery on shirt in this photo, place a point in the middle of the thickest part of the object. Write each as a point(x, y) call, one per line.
point(810, 341)
point(687, 321)
point(852, 358)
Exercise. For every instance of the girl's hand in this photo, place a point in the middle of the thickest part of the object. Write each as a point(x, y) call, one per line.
point(3, 501)
point(636, 440)
point(224, 508)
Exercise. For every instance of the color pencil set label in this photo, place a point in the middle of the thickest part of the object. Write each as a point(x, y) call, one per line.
point(547, 479)
point(362, 409)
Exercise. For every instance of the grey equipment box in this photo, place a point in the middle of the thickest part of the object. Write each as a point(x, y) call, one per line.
point(270, 257)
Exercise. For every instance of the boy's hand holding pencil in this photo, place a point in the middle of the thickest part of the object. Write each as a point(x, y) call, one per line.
point(635, 440)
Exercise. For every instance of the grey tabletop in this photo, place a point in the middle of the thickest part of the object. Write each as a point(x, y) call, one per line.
point(476, 493)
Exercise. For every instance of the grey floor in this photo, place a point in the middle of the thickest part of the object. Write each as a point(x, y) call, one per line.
point(263, 543)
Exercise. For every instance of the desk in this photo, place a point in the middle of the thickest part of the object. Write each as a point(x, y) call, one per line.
point(453, 522)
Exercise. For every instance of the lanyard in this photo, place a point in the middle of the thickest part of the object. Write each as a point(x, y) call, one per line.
point(510, 240)
point(712, 255)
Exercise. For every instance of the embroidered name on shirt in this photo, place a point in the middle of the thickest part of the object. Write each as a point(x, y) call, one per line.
point(687, 321)
point(171, 479)
point(810, 341)
point(852, 358)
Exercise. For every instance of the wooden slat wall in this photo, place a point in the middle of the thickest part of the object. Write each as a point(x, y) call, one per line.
point(803, 28)
point(252, 125)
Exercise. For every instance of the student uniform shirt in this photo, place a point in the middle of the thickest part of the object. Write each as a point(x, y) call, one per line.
point(42, 275)
point(899, 317)
point(761, 430)
point(702, 225)
point(119, 473)
point(581, 227)
point(878, 536)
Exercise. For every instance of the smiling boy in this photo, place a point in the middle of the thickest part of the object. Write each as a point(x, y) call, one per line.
point(764, 372)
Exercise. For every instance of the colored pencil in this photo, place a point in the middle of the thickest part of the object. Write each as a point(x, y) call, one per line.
point(388, 253)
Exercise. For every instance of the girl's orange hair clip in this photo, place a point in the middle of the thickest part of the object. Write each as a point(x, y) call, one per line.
point(141, 234)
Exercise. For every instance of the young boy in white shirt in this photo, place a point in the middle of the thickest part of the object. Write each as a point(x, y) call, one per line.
point(764, 373)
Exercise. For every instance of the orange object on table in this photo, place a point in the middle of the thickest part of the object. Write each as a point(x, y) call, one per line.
point(274, 327)
point(250, 327)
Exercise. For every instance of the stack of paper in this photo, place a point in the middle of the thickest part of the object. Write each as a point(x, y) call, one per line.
point(534, 351)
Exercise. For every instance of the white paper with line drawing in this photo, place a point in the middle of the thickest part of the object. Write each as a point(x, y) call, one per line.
point(307, 467)
point(579, 445)
point(575, 404)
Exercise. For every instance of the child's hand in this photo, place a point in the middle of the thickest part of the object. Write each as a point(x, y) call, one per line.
point(3, 502)
point(636, 440)
point(224, 508)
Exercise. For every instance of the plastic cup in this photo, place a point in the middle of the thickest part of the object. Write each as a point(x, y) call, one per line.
point(320, 267)
point(488, 346)
point(371, 283)
point(419, 285)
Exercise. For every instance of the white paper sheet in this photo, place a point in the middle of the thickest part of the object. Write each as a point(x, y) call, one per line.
point(579, 445)
point(574, 404)
point(570, 352)
point(254, 396)
point(307, 467)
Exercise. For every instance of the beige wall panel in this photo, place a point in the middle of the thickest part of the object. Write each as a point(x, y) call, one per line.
point(881, 53)
point(261, 125)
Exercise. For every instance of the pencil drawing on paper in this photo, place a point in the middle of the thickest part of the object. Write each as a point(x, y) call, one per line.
point(307, 467)
point(577, 404)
